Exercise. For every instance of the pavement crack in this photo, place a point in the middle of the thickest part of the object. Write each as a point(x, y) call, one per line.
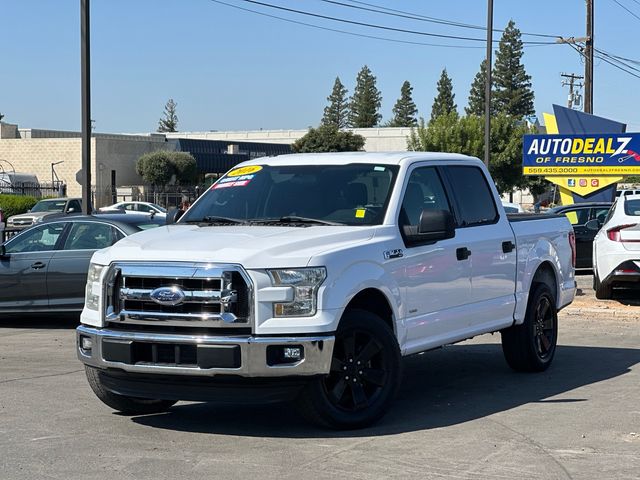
point(40, 376)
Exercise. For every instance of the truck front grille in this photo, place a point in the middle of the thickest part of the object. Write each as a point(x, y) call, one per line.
point(178, 295)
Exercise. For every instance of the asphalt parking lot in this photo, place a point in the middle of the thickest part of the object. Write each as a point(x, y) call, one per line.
point(461, 414)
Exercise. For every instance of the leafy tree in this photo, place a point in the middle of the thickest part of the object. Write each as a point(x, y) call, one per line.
point(404, 111)
point(512, 86)
point(169, 121)
point(444, 103)
point(185, 167)
point(477, 93)
point(366, 101)
point(450, 133)
point(337, 112)
point(327, 138)
point(156, 168)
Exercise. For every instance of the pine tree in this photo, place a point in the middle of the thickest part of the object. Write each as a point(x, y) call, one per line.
point(477, 92)
point(512, 86)
point(337, 112)
point(169, 121)
point(366, 101)
point(444, 103)
point(404, 111)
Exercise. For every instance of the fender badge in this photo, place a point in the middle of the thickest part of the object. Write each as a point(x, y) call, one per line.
point(389, 254)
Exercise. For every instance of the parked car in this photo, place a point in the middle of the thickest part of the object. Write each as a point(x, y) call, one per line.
point(45, 267)
point(312, 275)
point(510, 207)
point(44, 210)
point(136, 207)
point(616, 248)
point(627, 192)
point(579, 214)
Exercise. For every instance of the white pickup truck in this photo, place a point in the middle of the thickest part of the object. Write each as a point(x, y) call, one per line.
point(309, 276)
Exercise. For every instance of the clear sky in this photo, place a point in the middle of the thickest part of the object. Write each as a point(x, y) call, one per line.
point(230, 69)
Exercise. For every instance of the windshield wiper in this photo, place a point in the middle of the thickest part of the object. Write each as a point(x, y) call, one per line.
point(211, 219)
point(295, 219)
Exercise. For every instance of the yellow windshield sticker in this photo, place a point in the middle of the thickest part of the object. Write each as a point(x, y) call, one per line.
point(244, 171)
point(360, 213)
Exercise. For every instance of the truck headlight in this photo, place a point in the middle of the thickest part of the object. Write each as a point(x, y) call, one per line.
point(305, 283)
point(94, 287)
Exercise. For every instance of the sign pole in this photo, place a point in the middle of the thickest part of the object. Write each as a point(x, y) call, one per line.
point(487, 88)
point(85, 74)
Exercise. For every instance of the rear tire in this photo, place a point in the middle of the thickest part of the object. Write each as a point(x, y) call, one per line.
point(123, 403)
point(364, 378)
point(530, 347)
point(603, 292)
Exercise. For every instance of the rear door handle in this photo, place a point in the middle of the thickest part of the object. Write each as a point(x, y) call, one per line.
point(463, 253)
point(508, 246)
point(38, 265)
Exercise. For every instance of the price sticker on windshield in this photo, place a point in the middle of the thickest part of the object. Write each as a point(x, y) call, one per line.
point(244, 171)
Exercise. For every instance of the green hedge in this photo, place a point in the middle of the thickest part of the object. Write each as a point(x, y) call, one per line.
point(15, 204)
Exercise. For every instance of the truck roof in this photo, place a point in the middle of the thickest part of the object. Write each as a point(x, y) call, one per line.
point(343, 158)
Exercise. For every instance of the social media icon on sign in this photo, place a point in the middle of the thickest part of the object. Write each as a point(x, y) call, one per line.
point(595, 182)
point(583, 182)
point(571, 182)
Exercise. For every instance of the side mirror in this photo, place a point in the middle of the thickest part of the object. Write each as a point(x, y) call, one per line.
point(434, 225)
point(592, 225)
point(173, 215)
point(3, 251)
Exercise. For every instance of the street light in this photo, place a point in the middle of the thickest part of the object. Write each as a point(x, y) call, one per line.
point(54, 175)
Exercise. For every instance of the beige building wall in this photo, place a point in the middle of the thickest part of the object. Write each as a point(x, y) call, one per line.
point(387, 139)
point(108, 152)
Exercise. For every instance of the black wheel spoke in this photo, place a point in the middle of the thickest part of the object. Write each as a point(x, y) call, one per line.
point(546, 344)
point(337, 365)
point(359, 396)
point(374, 376)
point(367, 353)
point(338, 389)
point(349, 345)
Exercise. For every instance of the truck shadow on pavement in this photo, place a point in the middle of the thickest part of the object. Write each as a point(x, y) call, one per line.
point(445, 387)
point(40, 321)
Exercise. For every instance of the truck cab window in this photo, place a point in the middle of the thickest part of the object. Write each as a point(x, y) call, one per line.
point(473, 196)
point(424, 191)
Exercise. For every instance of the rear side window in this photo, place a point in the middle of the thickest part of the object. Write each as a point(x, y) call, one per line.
point(579, 216)
point(472, 196)
point(632, 208)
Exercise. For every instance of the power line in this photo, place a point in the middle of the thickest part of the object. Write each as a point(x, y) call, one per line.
point(382, 27)
point(605, 59)
point(423, 18)
point(600, 52)
point(622, 6)
point(373, 37)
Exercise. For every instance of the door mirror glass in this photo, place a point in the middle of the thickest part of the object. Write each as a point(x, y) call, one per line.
point(173, 215)
point(593, 225)
point(434, 225)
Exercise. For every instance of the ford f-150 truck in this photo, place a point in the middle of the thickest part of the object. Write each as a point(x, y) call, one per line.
point(308, 277)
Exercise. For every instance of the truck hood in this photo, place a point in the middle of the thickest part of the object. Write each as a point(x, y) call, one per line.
point(254, 247)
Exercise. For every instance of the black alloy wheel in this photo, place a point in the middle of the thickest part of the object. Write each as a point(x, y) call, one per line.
point(358, 371)
point(544, 327)
point(364, 377)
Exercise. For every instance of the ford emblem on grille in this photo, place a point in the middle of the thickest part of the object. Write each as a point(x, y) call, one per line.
point(168, 295)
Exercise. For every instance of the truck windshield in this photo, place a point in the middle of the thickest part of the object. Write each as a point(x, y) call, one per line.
point(354, 194)
point(49, 206)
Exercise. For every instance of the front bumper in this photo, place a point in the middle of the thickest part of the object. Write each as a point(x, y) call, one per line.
point(203, 355)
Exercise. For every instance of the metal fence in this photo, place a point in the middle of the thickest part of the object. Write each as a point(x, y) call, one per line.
point(38, 190)
point(172, 196)
point(7, 233)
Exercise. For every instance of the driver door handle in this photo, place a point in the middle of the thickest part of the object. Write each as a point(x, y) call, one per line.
point(38, 265)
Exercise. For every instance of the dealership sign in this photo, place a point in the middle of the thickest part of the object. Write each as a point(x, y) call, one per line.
point(606, 154)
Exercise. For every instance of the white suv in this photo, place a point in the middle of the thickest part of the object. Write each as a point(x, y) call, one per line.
point(616, 247)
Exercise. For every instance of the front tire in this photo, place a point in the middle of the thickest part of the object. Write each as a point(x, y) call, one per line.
point(530, 347)
point(364, 378)
point(123, 403)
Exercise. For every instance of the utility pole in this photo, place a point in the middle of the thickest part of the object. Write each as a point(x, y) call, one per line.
point(85, 74)
point(487, 88)
point(572, 77)
point(588, 63)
